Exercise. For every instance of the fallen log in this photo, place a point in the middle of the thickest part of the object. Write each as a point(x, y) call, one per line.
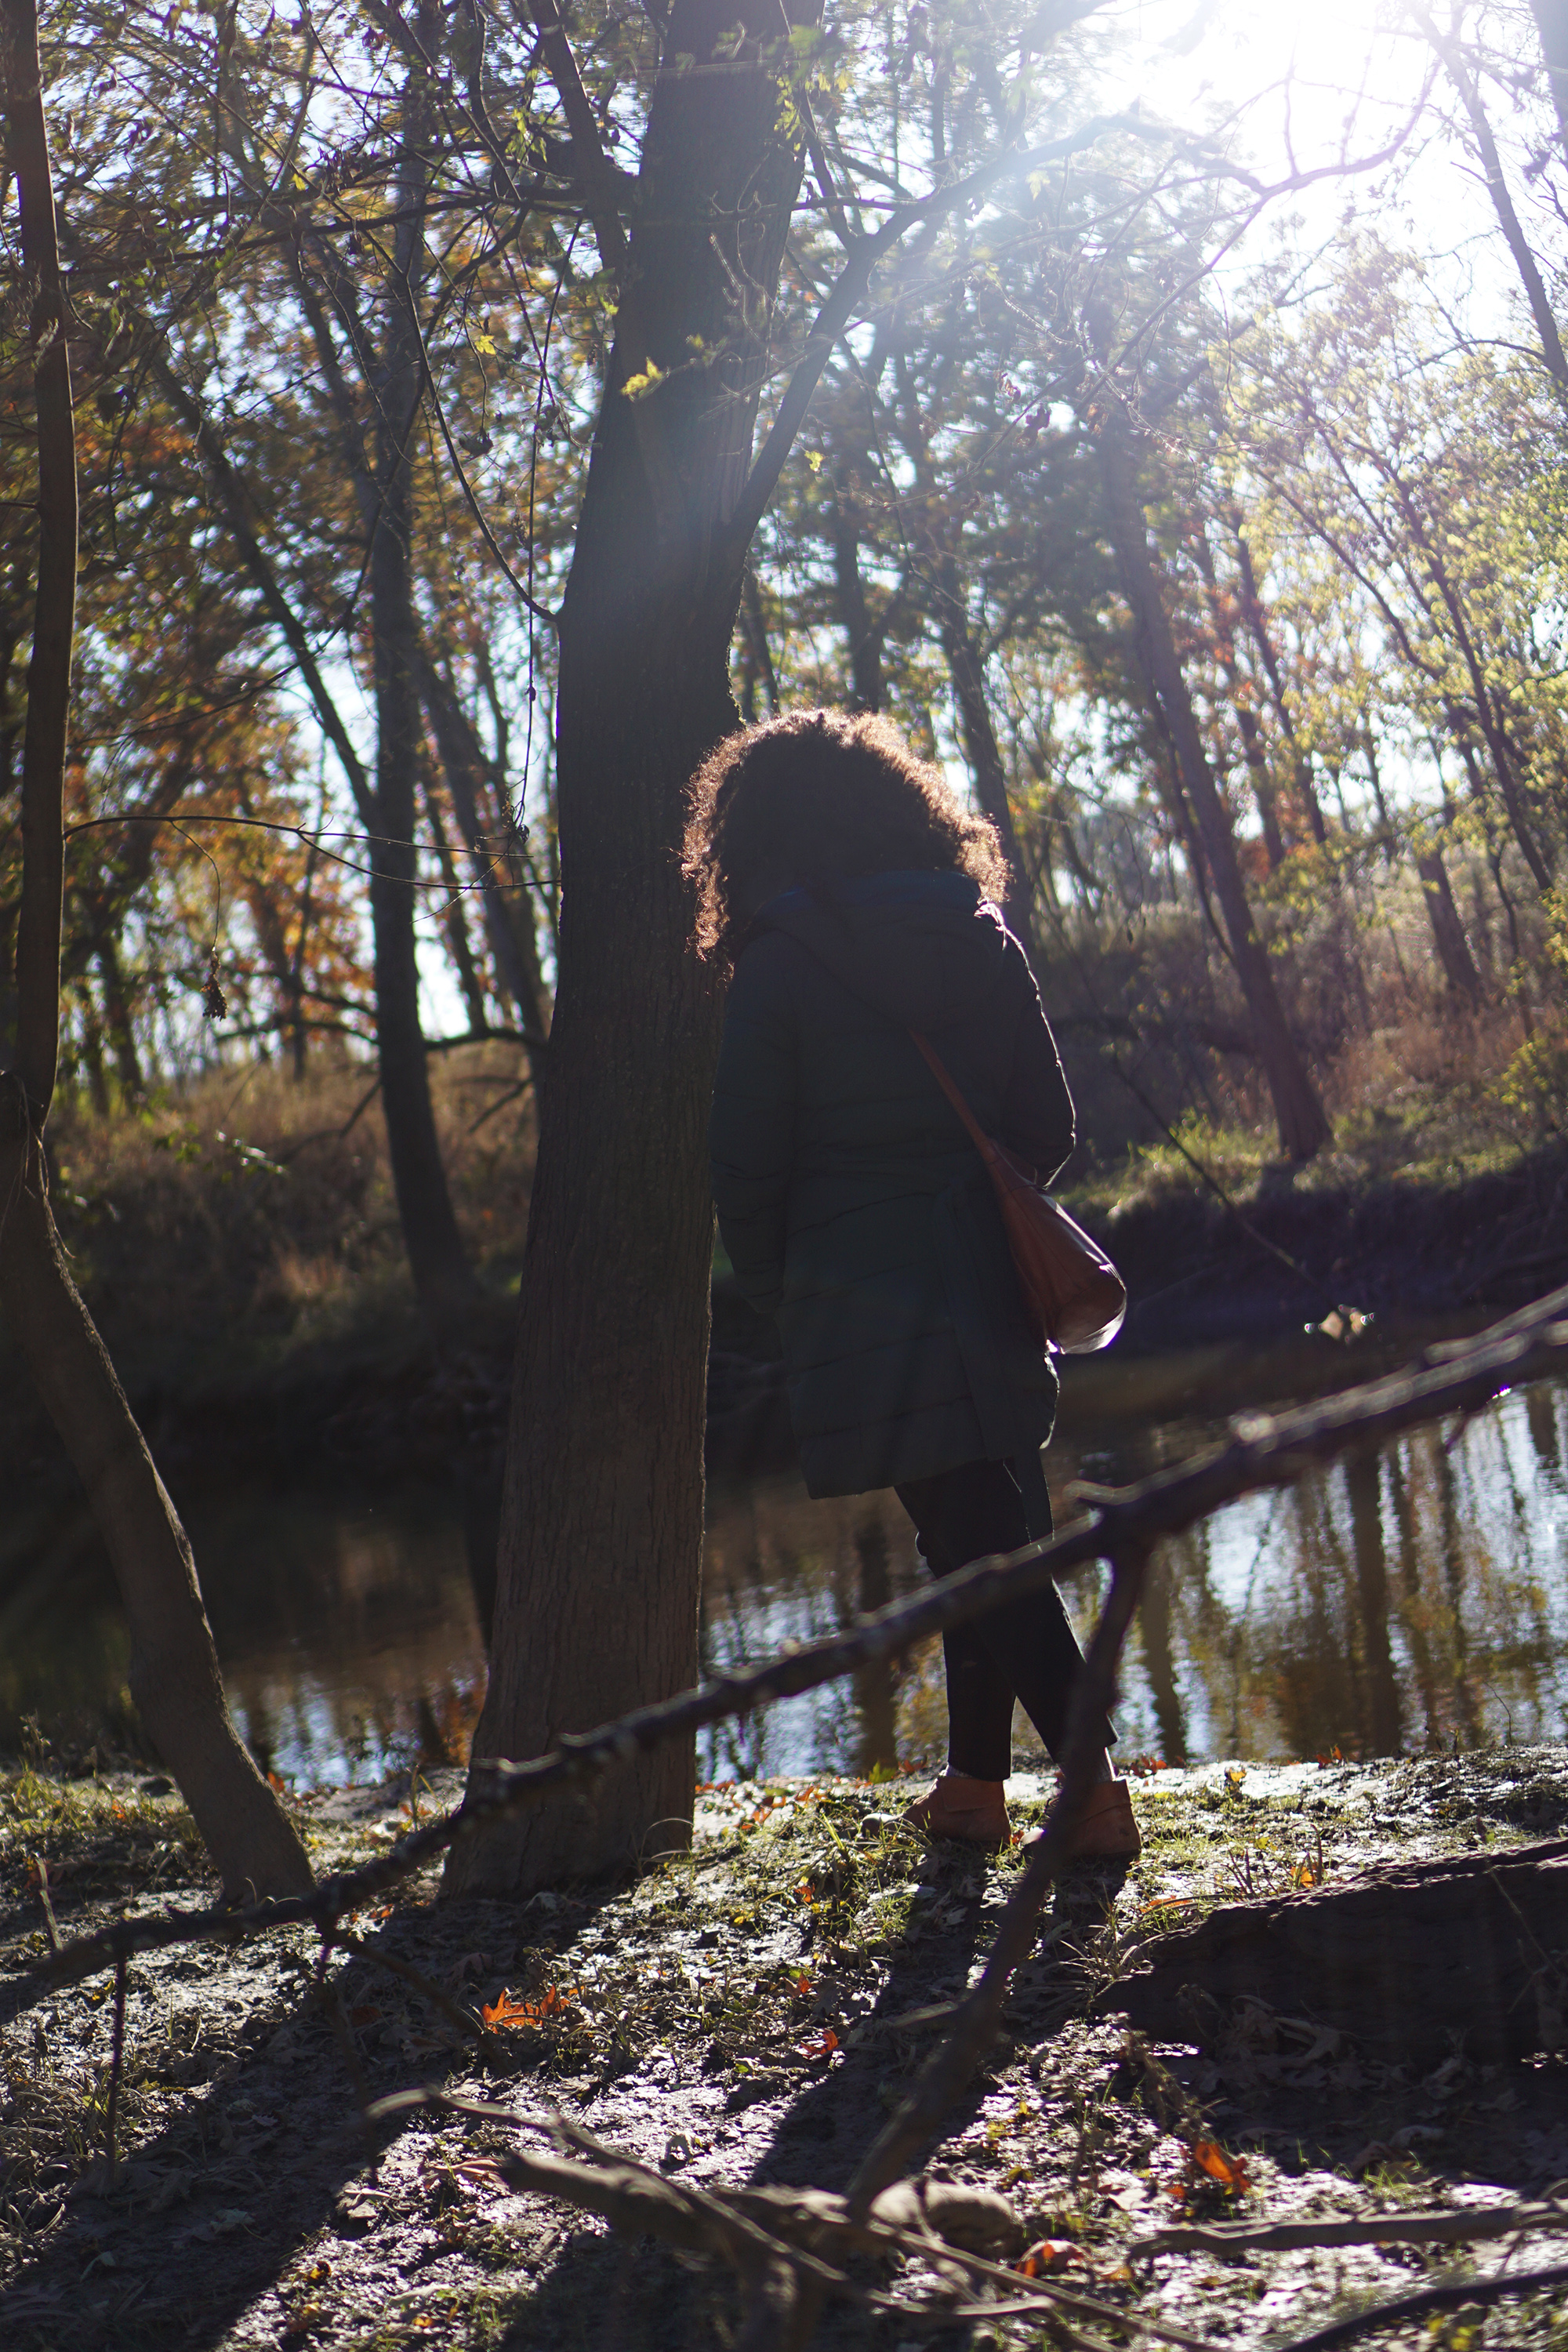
point(1409, 1962)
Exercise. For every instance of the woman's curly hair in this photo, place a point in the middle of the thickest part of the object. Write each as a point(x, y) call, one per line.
point(815, 798)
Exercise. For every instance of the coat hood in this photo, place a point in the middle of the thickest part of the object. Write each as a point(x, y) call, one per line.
point(920, 949)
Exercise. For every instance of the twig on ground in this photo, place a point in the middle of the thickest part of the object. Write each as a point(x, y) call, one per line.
point(1455, 2226)
point(51, 1925)
point(1478, 2290)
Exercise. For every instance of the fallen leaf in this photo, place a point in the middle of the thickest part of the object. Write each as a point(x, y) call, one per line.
point(1050, 2254)
point(507, 2011)
point(823, 2047)
point(552, 2002)
point(1229, 2170)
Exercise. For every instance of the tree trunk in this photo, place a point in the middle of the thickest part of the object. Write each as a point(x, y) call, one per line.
point(1239, 688)
point(754, 629)
point(602, 1516)
point(174, 1675)
point(1407, 1963)
point(438, 1261)
point(967, 670)
point(1552, 24)
point(852, 470)
point(515, 949)
point(1447, 930)
point(117, 1015)
point(454, 922)
point(1303, 1126)
point(1257, 622)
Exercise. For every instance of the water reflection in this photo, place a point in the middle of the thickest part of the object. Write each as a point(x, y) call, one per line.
point(1402, 1599)
point(1408, 1597)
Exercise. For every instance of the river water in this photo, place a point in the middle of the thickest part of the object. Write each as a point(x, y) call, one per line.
point(1414, 1598)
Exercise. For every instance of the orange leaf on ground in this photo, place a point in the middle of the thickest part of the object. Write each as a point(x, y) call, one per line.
point(507, 2011)
point(1050, 2254)
point(1229, 2170)
point(822, 2048)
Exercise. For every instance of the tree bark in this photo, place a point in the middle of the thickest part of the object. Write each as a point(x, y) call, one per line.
point(602, 1515)
point(514, 948)
point(1447, 930)
point(437, 1258)
point(1303, 1126)
point(1257, 623)
point(174, 1675)
point(454, 922)
point(1552, 353)
point(966, 668)
point(1406, 1962)
point(1239, 688)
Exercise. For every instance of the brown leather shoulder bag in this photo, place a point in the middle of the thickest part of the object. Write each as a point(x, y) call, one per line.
point(1073, 1295)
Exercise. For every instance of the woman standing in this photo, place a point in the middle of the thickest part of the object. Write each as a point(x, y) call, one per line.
point(851, 894)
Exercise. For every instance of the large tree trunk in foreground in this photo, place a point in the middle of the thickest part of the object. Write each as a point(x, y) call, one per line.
point(1402, 1962)
point(601, 1518)
point(174, 1677)
point(1303, 1126)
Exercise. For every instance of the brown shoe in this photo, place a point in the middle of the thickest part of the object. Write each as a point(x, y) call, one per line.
point(1106, 1830)
point(974, 1811)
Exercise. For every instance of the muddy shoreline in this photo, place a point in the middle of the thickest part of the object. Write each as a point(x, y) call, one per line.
point(731, 2016)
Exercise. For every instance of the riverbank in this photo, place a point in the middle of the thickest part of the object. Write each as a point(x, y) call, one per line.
point(346, 1380)
point(748, 2014)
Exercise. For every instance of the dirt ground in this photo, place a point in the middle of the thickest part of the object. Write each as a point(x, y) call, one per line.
point(739, 2014)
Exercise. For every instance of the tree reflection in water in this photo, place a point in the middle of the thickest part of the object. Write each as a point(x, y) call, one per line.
point(1402, 1599)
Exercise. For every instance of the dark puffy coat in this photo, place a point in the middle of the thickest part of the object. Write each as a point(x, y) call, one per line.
point(854, 1207)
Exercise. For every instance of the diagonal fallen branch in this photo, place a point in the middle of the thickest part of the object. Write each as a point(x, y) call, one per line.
point(1265, 1450)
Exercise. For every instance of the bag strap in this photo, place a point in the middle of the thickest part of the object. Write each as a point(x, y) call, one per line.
point(982, 1142)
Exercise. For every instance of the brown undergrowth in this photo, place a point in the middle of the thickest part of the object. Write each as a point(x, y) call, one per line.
point(747, 2013)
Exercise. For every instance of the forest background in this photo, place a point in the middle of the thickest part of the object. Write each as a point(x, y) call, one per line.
point(1160, 419)
point(1345, 446)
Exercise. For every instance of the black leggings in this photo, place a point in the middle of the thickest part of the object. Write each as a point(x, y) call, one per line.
point(1025, 1650)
